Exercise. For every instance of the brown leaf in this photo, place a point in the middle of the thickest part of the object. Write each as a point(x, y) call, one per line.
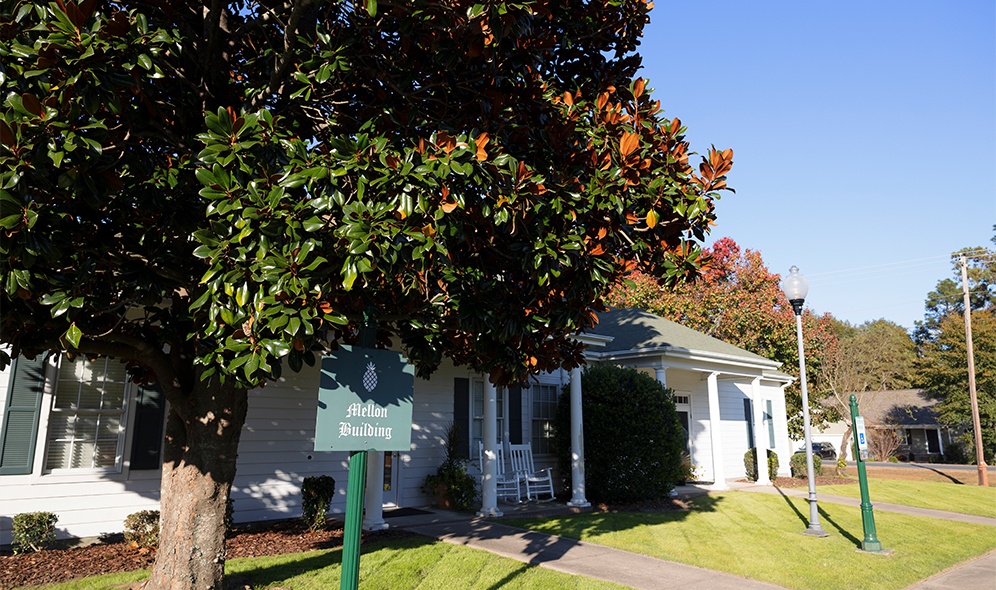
point(569, 99)
point(628, 142)
point(481, 141)
point(602, 100)
point(6, 135)
point(638, 87)
point(32, 104)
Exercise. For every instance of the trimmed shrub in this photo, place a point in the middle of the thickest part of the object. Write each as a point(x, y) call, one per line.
point(798, 465)
point(633, 438)
point(316, 499)
point(33, 530)
point(142, 528)
point(750, 464)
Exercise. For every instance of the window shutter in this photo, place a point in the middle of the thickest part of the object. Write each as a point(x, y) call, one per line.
point(515, 415)
point(461, 413)
point(749, 419)
point(20, 419)
point(148, 440)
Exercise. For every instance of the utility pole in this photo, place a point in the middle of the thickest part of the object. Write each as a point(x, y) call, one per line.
point(980, 457)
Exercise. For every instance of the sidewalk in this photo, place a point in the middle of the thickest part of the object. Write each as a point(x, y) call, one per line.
point(648, 573)
point(570, 556)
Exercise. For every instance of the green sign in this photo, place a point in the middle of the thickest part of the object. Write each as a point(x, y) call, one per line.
point(365, 401)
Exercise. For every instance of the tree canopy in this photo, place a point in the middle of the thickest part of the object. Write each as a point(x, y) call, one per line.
point(214, 191)
point(738, 300)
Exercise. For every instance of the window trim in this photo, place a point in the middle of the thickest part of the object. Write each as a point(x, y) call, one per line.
point(535, 432)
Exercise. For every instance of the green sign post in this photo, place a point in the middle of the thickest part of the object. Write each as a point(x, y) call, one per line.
point(870, 543)
point(364, 404)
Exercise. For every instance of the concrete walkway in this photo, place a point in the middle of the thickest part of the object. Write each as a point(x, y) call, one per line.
point(575, 557)
point(648, 573)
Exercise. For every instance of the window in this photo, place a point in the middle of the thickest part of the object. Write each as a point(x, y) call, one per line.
point(86, 424)
point(477, 416)
point(544, 411)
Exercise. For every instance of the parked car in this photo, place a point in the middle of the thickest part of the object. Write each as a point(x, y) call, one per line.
point(825, 450)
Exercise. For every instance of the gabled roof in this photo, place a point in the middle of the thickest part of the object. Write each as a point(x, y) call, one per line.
point(900, 407)
point(635, 330)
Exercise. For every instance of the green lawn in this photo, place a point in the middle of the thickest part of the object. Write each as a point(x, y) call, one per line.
point(924, 494)
point(393, 565)
point(759, 536)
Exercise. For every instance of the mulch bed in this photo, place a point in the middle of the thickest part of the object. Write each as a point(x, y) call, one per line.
point(61, 565)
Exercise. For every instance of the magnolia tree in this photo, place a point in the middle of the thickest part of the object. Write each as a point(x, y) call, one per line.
point(216, 192)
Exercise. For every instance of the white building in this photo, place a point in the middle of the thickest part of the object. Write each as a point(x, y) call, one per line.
point(78, 439)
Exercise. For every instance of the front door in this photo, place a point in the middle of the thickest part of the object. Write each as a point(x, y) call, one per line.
point(391, 460)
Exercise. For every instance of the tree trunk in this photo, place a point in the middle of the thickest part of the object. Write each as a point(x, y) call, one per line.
point(202, 439)
point(845, 443)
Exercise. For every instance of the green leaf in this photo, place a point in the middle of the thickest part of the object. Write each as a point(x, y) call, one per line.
point(73, 335)
point(372, 7)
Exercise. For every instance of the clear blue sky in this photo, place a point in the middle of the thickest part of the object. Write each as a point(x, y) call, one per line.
point(864, 136)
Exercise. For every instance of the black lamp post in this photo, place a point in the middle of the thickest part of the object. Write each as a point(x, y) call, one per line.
point(796, 287)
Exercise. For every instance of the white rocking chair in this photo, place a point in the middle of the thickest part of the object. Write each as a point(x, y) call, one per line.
point(537, 482)
point(507, 484)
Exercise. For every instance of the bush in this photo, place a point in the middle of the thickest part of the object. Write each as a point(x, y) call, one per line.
point(750, 464)
point(33, 530)
point(893, 459)
point(316, 499)
point(633, 439)
point(142, 528)
point(798, 465)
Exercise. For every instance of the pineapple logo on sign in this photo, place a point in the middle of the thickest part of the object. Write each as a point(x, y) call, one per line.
point(370, 378)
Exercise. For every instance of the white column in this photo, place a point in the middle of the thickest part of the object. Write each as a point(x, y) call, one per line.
point(489, 487)
point(760, 433)
point(940, 441)
point(577, 443)
point(718, 473)
point(661, 374)
point(373, 504)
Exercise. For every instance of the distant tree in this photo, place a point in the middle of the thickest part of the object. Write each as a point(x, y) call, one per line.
point(738, 300)
point(878, 355)
point(942, 370)
point(948, 297)
point(213, 192)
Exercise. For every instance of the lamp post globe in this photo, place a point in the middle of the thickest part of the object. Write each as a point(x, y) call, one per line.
point(796, 287)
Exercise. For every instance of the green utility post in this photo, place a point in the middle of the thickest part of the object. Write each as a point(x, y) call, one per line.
point(350, 578)
point(356, 488)
point(870, 543)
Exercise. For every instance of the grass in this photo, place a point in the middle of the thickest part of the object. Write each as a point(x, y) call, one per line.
point(758, 536)
point(924, 494)
point(388, 565)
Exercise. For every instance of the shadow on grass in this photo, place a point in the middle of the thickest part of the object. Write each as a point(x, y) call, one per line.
point(264, 576)
point(804, 518)
point(843, 533)
point(939, 472)
point(538, 548)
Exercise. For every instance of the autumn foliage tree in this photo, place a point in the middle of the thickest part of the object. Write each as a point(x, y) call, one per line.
point(214, 192)
point(738, 300)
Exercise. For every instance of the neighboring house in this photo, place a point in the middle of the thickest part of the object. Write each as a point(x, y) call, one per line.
point(909, 411)
point(78, 439)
